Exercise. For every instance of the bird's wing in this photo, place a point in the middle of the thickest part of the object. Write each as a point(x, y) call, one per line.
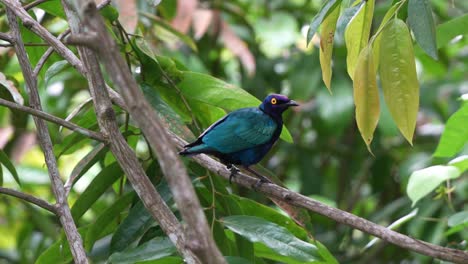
point(242, 129)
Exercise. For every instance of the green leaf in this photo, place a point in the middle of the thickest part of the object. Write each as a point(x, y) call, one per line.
point(95, 189)
point(357, 35)
point(344, 19)
point(455, 134)
point(54, 8)
point(109, 216)
point(366, 96)
point(376, 43)
point(460, 162)
point(237, 260)
point(12, 90)
point(394, 226)
point(54, 69)
point(422, 182)
point(59, 252)
point(326, 45)
point(272, 235)
point(450, 29)
point(156, 248)
point(87, 162)
point(458, 218)
point(253, 208)
point(1, 175)
point(11, 168)
point(320, 16)
point(422, 23)
point(213, 91)
point(161, 23)
point(137, 222)
point(398, 76)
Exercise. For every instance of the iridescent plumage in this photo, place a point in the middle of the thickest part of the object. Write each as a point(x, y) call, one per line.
point(243, 137)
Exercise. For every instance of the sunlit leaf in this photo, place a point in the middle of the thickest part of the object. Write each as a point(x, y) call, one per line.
point(394, 226)
point(110, 215)
point(136, 223)
point(326, 45)
point(154, 249)
point(271, 235)
point(366, 95)
point(11, 168)
point(320, 16)
point(376, 43)
point(11, 88)
point(95, 189)
point(458, 218)
point(450, 29)
point(398, 76)
point(455, 134)
point(344, 19)
point(422, 23)
point(183, 37)
point(460, 162)
point(424, 181)
point(357, 35)
point(54, 69)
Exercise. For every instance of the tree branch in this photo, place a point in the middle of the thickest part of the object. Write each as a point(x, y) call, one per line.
point(63, 210)
point(296, 199)
point(30, 199)
point(198, 233)
point(89, 133)
point(123, 153)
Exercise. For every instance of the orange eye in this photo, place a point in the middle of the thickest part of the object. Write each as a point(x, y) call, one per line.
point(273, 101)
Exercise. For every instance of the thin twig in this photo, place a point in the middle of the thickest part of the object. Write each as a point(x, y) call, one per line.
point(199, 236)
point(47, 54)
point(89, 133)
point(34, 4)
point(66, 219)
point(30, 199)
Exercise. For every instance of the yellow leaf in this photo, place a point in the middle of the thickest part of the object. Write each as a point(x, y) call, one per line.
point(326, 45)
point(357, 34)
point(366, 95)
point(398, 76)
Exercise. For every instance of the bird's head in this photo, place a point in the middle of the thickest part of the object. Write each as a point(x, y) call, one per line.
point(276, 104)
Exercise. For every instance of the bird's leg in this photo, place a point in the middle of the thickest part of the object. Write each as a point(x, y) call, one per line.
point(233, 170)
point(261, 179)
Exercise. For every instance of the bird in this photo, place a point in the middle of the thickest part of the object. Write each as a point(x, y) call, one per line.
point(243, 137)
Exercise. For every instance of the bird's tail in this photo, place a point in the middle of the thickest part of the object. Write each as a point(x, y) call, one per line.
point(193, 150)
point(186, 152)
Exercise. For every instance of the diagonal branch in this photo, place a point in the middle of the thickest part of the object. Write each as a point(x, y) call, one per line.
point(89, 133)
point(198, 232)
point(30, 199)
point(122, 152)
point(66, 219)
point(296, 199)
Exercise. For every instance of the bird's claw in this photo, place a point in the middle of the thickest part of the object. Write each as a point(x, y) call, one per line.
point(260, 182)
point(234, 171)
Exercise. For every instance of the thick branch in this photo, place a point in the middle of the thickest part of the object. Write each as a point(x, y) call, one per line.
point(123, 153)
point(30, 199)
point(63, 210)
point(198, 233)
point(366, 226)
point(89, 133)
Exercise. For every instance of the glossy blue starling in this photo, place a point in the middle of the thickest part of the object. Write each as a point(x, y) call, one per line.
point(243, 137)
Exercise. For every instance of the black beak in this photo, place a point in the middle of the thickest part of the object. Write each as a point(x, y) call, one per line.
point(292, 103)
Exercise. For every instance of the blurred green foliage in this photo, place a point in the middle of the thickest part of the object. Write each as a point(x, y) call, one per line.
point(192, 75)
